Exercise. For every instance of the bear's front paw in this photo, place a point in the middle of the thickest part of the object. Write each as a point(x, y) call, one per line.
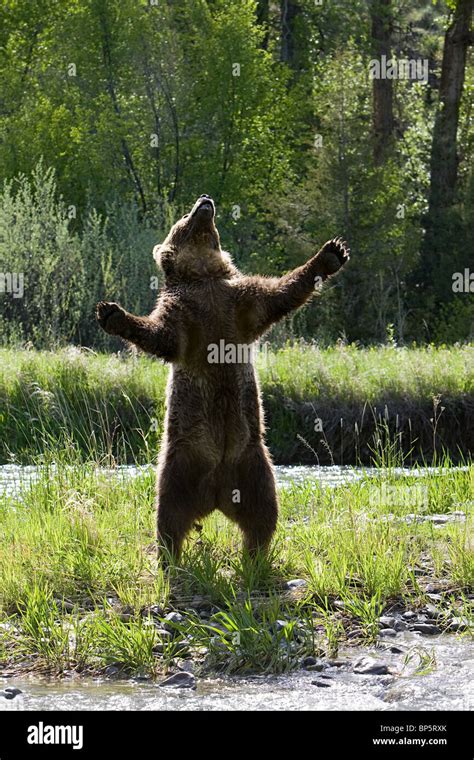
point(333, 255)
point(111, 317)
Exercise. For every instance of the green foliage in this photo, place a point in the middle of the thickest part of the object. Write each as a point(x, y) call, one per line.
point(140, 107)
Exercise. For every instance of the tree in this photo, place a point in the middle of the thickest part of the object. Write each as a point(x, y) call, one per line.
point(444, 249)
point(444, 158)
point(382, 89)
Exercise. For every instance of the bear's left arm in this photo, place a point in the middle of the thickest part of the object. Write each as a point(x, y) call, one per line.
point(263, 301)
point(157, 334)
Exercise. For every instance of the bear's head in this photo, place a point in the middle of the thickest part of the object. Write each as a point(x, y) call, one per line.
point(192, 249)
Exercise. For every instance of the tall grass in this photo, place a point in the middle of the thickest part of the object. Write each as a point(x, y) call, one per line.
point(413, 404)
point(82, 589)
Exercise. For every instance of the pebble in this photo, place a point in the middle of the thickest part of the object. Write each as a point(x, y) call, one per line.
point(154, 611)
point(321, 684)
point(337, 663)
point(201, 603)
point(370, 666)
point(111, 670)
point(311, 663)
point(458, 624)
point(409, 615)
point(280, 625)
point(387, 632)
point(296, 583)
point(431, 610)
point(10, 692)
point(187, 666)
point(174, 617)
point(387, 621)
point(181, 680)
point(426, 628)
point(163, 633)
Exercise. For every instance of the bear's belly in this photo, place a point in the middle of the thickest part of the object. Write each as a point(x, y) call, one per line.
point(218, 416)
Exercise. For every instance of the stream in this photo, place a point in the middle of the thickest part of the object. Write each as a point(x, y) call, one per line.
point(447, 686)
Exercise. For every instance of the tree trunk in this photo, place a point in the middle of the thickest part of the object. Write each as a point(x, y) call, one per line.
point(442, 250)
point(263, 19)
point(444, 158)
point(289, 11)
point(382, 90)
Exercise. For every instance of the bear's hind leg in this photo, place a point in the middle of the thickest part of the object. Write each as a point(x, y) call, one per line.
point(174, 521)
point(257, 514)
point(184, 495)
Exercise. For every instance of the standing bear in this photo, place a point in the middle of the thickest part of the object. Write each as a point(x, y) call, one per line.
point(213, 454)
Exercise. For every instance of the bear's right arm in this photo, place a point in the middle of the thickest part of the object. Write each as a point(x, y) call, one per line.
point(157, 334)
point(263, 301)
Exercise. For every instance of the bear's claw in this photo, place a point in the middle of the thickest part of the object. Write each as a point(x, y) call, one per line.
point(339, 247)
point(334, 254)
point(104, 311)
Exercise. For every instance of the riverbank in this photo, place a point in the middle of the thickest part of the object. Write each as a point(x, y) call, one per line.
point(341, 405)
point(363, 563)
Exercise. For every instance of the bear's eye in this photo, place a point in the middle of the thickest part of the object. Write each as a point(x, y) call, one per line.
point(185, 216)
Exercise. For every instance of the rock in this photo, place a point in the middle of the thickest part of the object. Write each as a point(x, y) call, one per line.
point(370, 666)
point(296, 583)
point(141, 675)
point(187, 666)
point(321, 684)
point(431, 588)
point(426, 628)
point(201, 603)
point(174, 617)
point(439, 519)
point(458, 624)
point(111, 670)
point(307, 662)
point(431, 610)
point(387, 621)
point(387, 632)
point(396, 650)
point(153, 611)
point(409, 615)
point(312, 663)
point(355, 633)
point(10, 692)
point(435, 597)
point(163, 633)
point(181, 680)
point(279, 625)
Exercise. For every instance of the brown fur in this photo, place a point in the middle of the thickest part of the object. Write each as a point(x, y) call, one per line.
point(213, 454)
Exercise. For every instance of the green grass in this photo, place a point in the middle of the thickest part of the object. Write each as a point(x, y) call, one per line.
point(112, 408)
point(81, 587)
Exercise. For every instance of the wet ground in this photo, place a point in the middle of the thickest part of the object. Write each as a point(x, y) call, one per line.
point(448, 685)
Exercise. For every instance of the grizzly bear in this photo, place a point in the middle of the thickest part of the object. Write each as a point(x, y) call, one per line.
point(213, 454)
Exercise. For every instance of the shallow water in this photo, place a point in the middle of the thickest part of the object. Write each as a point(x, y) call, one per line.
point(13, 477)
point(448, 687)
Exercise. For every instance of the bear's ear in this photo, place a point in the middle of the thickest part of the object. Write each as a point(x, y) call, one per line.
point(156, 253)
